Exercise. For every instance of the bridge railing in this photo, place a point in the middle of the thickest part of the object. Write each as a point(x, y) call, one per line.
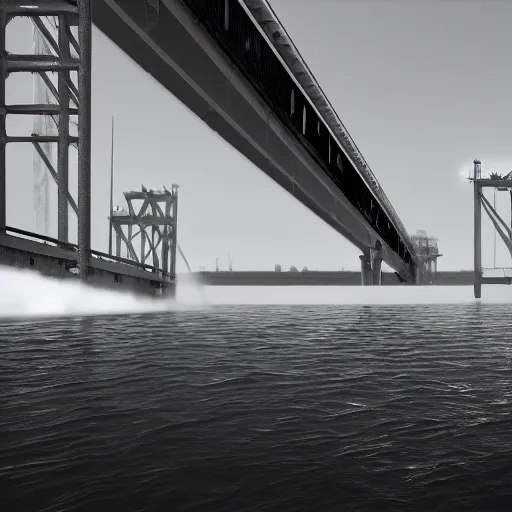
point(74, 247)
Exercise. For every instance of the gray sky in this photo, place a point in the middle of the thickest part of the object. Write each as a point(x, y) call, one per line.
point(422, 85)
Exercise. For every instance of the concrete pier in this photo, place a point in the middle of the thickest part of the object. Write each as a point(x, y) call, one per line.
point(376, 261)
point(366, 270)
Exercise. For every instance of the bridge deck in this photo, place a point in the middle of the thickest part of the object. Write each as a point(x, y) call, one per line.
point(233, 80)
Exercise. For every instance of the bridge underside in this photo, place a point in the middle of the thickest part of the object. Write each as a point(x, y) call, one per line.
point(177, 52)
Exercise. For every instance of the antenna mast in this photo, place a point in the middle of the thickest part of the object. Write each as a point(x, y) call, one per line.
point(111, 191)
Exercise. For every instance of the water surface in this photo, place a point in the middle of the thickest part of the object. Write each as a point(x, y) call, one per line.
point(259, 408)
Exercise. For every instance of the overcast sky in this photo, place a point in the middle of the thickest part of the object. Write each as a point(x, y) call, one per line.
point(422, 86)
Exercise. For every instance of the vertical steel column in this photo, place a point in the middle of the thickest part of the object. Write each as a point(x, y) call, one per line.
point(112, 195)
point(130, 237)
point(174, 231)
point(164, 264)
point(169, 204)
point(84, 136)
point(142, 243)
point(478, 230)
point(118, 245)
point(494, 230)
point(3, 134)
point(63, 144)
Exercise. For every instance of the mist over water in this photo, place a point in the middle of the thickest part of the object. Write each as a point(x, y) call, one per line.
point(28, 294)
point(259, 408)
point(358, 399)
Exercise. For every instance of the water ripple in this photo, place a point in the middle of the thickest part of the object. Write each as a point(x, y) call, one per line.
point(259, 408)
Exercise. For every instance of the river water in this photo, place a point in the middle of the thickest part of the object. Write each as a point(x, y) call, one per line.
point(259, 408)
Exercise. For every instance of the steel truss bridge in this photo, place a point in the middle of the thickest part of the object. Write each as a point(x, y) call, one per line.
point(232, 63)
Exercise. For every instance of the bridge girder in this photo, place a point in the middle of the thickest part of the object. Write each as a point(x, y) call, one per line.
point(200, 75)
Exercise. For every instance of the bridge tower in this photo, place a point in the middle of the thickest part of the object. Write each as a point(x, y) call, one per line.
point(156, 221)
point(427, 253)
point(497, 183)
point(63, 32)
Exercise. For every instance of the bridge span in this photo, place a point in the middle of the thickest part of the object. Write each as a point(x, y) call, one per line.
point(232, 63)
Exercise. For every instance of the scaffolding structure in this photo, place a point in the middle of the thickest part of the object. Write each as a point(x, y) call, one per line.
point(499, 184)
point(428, 253)
point(62, 45)
point(156, 224)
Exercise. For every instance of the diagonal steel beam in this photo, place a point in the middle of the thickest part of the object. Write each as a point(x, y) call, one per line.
point(503, 236)
point(51, 41)
point(49, 84)
point(72, 40)
point(38, 22)
point(495, 213)
point(51, 170)
point(129, 247)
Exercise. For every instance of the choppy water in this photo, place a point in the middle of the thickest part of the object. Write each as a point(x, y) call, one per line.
point(259, 408)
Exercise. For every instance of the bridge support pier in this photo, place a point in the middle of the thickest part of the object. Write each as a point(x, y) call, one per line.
point(376, 261)
point(377, 271)
point(417, 274)
point(366, 270)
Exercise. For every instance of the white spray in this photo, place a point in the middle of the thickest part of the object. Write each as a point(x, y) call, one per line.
point(27, 293)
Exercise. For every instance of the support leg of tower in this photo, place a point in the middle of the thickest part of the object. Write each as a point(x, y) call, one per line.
point(366, 270)
point(84, 135)
point(477, 239)
point(118, 245)
point(63, 145)
point(3, 134)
